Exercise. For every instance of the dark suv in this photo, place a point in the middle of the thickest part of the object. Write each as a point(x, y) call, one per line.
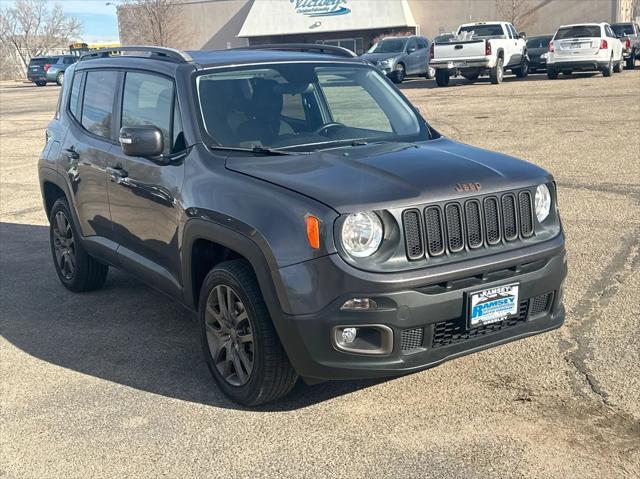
point(303, 208)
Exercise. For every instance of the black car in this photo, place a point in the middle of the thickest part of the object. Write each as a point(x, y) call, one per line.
point(538, 47)
point(42, 70)
point(303, 208)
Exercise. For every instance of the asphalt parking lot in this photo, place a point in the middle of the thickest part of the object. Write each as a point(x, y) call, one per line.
point(112, 383)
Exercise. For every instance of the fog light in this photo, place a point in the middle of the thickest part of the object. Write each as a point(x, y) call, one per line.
point(349, 335)
point(359, 304)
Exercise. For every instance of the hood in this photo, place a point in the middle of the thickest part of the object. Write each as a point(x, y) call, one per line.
point(378, 57)
point(389, 175)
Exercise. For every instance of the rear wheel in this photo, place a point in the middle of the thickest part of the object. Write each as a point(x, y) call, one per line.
point(619, 66)
point(41, 83)
point(77, 270)
point(443, 77)
point(241, 346)
point(497, 72)
point(60, 78)
point(523, 70)
point(399, 73)
point(608, 70)
point(552, 74)
point(430, 73)
point(631, 61)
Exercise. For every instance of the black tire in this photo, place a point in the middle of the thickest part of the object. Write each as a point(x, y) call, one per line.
point(631, 61)
point(60, 78)
point(443, 77)
point(41, 83)
point(523, 70)
point(619, 67)
point(497, 72)
point(608, 70)
point(76, 269)
point(552, 74)
point(471, 77)
point(398, 74)
point(271, 375)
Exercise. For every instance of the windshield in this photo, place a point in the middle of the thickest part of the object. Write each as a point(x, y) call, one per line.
point(581, 31)
point(623, 29)
point(538, 42)
point(494, 31)
point(389, 45)
point(305, 106)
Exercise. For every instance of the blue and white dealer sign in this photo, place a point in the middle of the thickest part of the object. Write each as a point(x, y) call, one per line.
point(493, 305)
point(321, 8)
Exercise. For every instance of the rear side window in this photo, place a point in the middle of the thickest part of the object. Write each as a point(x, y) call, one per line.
point(97, 107)
point(148, 100)
point(74, 97)
point(69, 60)
point(580, 31)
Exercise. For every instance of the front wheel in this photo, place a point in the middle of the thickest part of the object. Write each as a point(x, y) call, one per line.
point(608, 70)
point(60, 78)
point(77, 270)
point(631, 61)
point(552, 74)
point(442, 77)
point(497, 72)
point(430, 74)
point(523, 70)
point(241, 346)
point(398, 74)
point(619, 67)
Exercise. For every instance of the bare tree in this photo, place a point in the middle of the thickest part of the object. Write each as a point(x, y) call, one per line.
point(31, 28)
point(151, 22)
point(512, 11)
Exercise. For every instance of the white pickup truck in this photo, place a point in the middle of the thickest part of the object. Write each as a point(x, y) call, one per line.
point(480, 48)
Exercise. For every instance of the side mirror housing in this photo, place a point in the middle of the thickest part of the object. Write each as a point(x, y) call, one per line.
point(522, 35)
point(411, 50)
point(145, 141)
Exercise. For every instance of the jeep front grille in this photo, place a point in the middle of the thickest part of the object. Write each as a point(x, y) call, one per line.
point(467, 224)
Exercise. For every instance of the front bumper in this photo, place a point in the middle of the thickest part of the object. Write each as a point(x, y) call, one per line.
point(428, 322)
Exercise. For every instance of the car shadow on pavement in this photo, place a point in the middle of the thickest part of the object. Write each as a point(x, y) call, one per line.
point(126, 333)
point(421, 83)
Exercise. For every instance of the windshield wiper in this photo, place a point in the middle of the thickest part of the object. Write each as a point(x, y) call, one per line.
point(257, 150)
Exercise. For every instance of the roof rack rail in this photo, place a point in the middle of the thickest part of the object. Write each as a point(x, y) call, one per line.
point(160, 52)
point(304, 47)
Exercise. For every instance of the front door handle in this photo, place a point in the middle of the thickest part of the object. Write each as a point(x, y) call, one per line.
point(116, 173)
point(71, 153)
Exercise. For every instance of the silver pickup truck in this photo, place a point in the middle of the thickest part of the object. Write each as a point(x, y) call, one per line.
point(480, 48)
point(629, 35)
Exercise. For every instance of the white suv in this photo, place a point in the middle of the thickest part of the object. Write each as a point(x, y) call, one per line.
point(584, 47)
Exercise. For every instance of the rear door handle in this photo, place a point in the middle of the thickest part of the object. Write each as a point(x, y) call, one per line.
point(71, 153)
point(116, 173)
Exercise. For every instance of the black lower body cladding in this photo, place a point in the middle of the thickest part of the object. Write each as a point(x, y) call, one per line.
point(418, 326)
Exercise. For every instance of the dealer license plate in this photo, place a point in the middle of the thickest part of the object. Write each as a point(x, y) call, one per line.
point(493, 305)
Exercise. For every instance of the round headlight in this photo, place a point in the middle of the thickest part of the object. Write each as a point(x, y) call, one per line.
point(543, 202)
point(362, 234)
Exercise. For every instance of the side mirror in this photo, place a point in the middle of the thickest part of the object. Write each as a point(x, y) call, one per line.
point(143, 140)
point(411, 50)
point(522, 35)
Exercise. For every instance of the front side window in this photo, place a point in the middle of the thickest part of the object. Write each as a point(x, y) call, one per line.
point(304, 106)
point(97, 107)
point(389, 45)
point(148, 100)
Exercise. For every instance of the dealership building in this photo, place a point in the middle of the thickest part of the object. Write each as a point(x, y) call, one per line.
point(355, 24)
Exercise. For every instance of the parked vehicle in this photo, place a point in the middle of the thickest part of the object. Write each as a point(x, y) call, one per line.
point(480, 48)
point(444, 37)
point(399, 57)
point(42, 70)
point(538, 49)
point(629, 35)
point(317, 224)
point(584, 47)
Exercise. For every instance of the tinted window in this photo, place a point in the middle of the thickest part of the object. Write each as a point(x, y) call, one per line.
point(623, 28)
point(148, 100)
point(538, 42)
point(423, 43)
point(293, 106)
point(484, 30)
point(41, 61)
point(69, 60)
point(584, 31)
point(74, 104)
point(413, 45)
point(389, 45)
point(97, 107)
point(178, 143)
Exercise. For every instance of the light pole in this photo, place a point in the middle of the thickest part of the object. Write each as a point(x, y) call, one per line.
point(111, 4)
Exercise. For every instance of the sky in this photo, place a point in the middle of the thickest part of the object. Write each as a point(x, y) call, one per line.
point(99, 21)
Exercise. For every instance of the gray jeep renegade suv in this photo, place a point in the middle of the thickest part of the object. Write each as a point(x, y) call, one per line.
point(297, 201)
